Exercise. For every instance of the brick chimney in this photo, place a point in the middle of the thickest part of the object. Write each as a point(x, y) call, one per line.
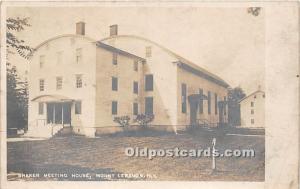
point(113, 30)
point(80, 28)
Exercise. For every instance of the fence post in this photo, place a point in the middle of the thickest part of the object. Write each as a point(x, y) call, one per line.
point(213, 154)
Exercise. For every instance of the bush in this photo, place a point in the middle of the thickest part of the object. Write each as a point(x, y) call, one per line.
point(123, 121)
point(144, 119)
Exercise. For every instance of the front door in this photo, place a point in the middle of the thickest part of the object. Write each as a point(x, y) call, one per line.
point(59, 113)
point(67, 113)
point(194, 103)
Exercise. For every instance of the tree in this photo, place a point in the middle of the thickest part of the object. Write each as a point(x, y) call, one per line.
point(234, 97)
point(17, 90)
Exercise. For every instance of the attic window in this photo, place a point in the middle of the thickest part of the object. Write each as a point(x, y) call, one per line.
point(148, 51)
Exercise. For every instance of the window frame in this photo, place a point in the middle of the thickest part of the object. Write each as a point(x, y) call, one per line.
point(78, 107)
point(135, 87)
point(147, 103)
point(42, 85)
point(41, 108)
point(201, 109)
point(208, 102)
point(114, 83)
point(216, 104)
point(225, 112)
point(147, 77)
point(148, 51)
point(183, 98)
point(115, 58)
point(79, 81)
point(135, 107)
point(59, 80)
point(136, 65)
point(114, 107)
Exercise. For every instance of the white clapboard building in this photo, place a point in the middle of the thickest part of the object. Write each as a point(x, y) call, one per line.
point(253, 110)
point(82, 83)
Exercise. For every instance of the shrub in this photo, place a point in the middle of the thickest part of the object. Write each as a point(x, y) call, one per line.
point(123, 121)
point(144, 119)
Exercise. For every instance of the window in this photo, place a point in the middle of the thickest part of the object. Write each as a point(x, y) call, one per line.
point(42, 85)
point(216, 103)
point(114, 107)
point(113, 30)
point(136, 66)
point(252, 104)
point(115, 59)
point(201, 102)
point(78, 81)
point(148, 51)
point(58, 83)
point(41, 108)
point(114, 83)
point(135, 108)
point(208, 102)
point(263, 95)
point(77, 107)
point(135, 87)
point(59, 57)
point(225, 105)
point(149, 82)
point(149, 105)
point(183, 98)
point(78, 55)
point(252, 111)
point(42, 61)
point(254, 96)
point(252, 121)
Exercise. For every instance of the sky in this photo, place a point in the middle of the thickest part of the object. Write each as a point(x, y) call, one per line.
point(228, 42)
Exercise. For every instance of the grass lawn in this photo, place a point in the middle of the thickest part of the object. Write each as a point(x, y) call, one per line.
point(105, 155)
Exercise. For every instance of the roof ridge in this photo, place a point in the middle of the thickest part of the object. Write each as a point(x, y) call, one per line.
point(180, 58)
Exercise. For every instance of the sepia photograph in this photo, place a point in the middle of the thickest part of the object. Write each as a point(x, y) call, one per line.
point(125, 93)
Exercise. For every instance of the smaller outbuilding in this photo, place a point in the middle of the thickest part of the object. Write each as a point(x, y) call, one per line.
point(253, 110)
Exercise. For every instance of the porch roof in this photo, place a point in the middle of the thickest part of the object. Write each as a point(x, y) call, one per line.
point(51, 98)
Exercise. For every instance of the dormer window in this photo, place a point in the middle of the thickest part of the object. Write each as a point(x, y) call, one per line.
point(148, 52)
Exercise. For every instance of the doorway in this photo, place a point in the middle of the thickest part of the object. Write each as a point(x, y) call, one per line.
point(59, 113)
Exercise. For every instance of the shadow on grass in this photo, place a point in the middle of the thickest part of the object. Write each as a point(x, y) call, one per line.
point(142, 132)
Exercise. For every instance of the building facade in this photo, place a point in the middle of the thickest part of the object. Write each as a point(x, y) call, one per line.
point(78, 82)
point(253, 110)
